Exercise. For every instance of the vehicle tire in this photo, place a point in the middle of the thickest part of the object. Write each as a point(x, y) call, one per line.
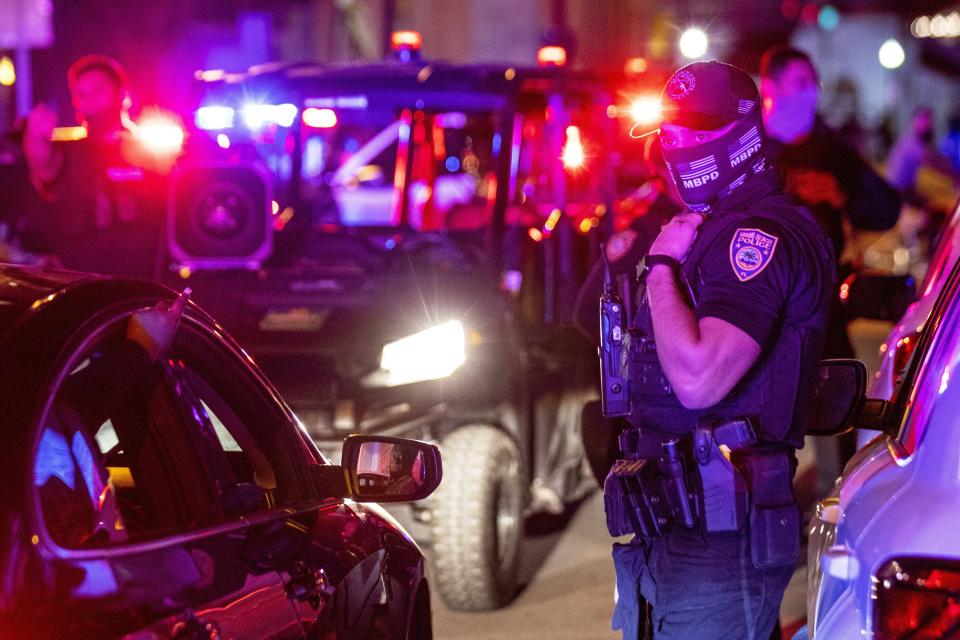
point(478, 519)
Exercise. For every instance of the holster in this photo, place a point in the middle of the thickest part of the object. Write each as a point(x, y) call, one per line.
point(647, 493)
point(723, 488)
point(774, 512)
point(634, 500)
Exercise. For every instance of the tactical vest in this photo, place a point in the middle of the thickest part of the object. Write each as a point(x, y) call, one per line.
point(778, 387)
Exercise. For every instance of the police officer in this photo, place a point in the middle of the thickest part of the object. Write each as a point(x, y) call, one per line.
point(720, 367)
point(102, 195)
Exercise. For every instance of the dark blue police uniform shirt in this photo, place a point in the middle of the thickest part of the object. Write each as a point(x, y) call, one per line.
point(761, 263)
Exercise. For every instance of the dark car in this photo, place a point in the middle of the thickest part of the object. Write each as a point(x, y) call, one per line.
point(399, 245)
point(178, 496)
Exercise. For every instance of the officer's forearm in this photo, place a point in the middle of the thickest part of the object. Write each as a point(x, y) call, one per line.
point(702, 359)
point(675, 329)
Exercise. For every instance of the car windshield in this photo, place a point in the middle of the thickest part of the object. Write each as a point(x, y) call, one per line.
point(354, 158)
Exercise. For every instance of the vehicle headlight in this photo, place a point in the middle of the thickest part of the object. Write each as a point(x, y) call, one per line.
point(430, 354)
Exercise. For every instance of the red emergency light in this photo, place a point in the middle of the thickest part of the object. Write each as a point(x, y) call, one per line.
point(160, 134)
point(411, 40)
point(552, 55)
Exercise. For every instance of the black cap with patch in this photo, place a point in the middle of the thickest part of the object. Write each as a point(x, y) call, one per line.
point(708, 95)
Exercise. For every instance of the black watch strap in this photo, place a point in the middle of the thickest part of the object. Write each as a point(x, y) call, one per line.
point(650, 260)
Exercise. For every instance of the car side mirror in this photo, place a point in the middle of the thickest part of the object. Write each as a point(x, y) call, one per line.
point(388, 469)
point(876, 296)
point(838, 394)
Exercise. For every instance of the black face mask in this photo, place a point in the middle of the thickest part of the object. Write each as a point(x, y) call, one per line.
point(926, 136)
point(708, 171)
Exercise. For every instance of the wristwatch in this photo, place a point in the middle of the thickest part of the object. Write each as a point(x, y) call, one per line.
point(649, 260)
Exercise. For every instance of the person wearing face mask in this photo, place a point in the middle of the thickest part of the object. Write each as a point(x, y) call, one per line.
point(828, 176)
point(914, 149)
point(721, 360)
point(102, 199)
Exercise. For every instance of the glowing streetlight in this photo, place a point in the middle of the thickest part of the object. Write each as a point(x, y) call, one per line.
point(693, 43)
point(891, 54)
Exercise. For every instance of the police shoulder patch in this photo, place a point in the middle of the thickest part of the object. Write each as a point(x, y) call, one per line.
point(751, 250)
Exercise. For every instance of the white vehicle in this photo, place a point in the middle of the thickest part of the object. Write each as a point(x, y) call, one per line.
point(884, 554)
point(902, 340)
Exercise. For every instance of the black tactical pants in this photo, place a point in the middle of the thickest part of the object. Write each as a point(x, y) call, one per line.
point(700, 586)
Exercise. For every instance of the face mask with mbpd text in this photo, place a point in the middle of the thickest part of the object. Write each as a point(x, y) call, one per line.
point(704, 172)
point(790, 117)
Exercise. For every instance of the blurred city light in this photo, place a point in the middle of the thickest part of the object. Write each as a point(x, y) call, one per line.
point(635, 66)
point(552, 56)
point(211, 118)
point(8, 75)
point(573, 155)
point(891, 54)
point(646, 110)
point(223, 141)
point(693, 43)
point(937, 26)
point(828, 18)
point(320, 118)
point(160, 134)
point(68, 134)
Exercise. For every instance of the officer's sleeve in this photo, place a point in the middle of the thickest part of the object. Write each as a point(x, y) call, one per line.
point(744, 275)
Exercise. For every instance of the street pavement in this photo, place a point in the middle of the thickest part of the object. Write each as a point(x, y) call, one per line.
point(569, 575)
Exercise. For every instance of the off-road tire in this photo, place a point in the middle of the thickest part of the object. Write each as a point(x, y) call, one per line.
point(478, 519)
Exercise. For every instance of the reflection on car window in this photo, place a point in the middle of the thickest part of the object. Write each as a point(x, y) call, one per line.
point(114, 461)
point(255, 449)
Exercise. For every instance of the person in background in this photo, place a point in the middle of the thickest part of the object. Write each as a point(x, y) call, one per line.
point(950, 145)
point(102, 203)
point(827, 175)
point(914, 150)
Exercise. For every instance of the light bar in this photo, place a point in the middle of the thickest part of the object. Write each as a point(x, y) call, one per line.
point(552, 56)
point(213, 117)
point(256, 116)
point(406, 40)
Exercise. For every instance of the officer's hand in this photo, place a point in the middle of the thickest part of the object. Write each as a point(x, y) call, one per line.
point(154, 329)
point(677, 236)
point(41, 122)
point(620, 243)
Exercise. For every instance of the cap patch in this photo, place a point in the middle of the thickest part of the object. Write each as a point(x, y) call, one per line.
point(682, 83)
point(744, 106)
point(751, 250)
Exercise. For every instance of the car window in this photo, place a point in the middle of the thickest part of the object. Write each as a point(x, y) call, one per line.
point(115, 460)
point(257, 451)
point(929, 374)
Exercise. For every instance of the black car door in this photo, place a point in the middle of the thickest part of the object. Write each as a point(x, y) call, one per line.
point(141, 529)
point(348, 574)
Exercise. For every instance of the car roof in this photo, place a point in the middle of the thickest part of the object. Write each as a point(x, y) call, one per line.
point(23, 288)
point(421, 76)
point(26, 289)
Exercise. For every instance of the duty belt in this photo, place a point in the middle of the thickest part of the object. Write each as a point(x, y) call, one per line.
point(718, 479)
